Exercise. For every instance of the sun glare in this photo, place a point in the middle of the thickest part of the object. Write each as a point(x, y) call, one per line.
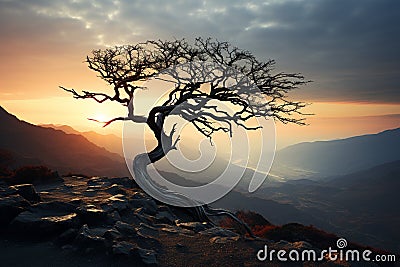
point(100, 117)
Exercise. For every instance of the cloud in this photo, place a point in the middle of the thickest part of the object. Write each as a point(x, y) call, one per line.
point(349, 48)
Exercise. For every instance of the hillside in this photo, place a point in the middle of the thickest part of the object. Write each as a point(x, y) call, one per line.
point(337, 157)
point(105, 221)
point(361, 205)
point(31, 144)
point(110, 142)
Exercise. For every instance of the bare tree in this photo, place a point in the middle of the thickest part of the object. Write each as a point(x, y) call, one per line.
point(125, 68)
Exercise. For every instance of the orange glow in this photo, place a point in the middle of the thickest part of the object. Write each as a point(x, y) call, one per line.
point(350, 119)
point(29, 89)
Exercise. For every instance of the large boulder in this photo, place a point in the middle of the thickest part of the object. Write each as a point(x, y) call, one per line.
point(129, 249)
point(126, 229)
point(124, 248)
point(91, 215)
point(148, 205)
point(10, 207)
point(27, 191)
point(89, 239)
point(54, 207)
point(148, 256)
point(147, 231)
point(165, 215)
point(36, 224)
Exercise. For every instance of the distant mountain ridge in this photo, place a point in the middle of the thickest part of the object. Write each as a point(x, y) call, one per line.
point(339, 157)
point(110, 142)
point(56, 149)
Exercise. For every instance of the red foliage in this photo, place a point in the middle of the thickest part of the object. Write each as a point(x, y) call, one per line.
point(257, 223)
point(262, 230)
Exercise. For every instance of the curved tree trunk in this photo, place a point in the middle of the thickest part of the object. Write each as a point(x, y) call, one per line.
point(156, 122)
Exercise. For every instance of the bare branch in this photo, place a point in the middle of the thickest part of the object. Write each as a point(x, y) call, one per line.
point(126, 67)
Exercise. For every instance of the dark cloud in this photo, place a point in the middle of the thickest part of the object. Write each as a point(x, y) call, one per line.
point(349, 48)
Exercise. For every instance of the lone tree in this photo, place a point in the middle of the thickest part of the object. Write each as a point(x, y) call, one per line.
point(125, 68)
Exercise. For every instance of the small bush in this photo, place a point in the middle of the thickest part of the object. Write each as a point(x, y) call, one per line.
point(5, 172)
point(6, 159)
point(33, 175)
point(262, 230)
point(257, 223)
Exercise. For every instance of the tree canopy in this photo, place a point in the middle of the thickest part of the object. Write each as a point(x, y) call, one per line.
point(125, 68)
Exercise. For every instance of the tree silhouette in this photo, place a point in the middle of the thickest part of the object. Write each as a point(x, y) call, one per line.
point(125, 68)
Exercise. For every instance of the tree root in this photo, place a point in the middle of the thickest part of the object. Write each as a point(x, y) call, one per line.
point(201, 213)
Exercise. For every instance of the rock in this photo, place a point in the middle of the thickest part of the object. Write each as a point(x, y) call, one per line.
point(143, 214)
point(46, 217)
point(218, 231)
point(125, 229)
point(68, 247)
point(102, 181)
point(90, 192)
point(283, 243)
point(223, 240)
point(146, 231)
point(194, 226)
point(148, 256)
point(302, 245)
point(92, 215)
point(27, 191)
point(112, 234)
point(148, 205)
point(98, 231)
point(75, 202)
point(124, 181)
point(173, 229)
point(166, 217)
point(10, 207)
point(67, 237)
point(124, 248)
point(115, 189)
point(179, 245)
point(87, 239)
point(54, 207)
point(3, 184)
point(117, 197)
point(138, 195)
point(118, 202)
point(113, 217)
point(6, 191)
point(37, 224)
point(135, 218)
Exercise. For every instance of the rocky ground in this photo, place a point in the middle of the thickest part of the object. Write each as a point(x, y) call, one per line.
point(100, 221)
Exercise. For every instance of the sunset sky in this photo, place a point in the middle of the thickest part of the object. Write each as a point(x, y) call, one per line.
point(350, 49)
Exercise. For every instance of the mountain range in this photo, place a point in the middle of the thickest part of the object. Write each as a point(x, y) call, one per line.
point(338, 157)
point(111, 142)
point(29, 144)
point(353, 190)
